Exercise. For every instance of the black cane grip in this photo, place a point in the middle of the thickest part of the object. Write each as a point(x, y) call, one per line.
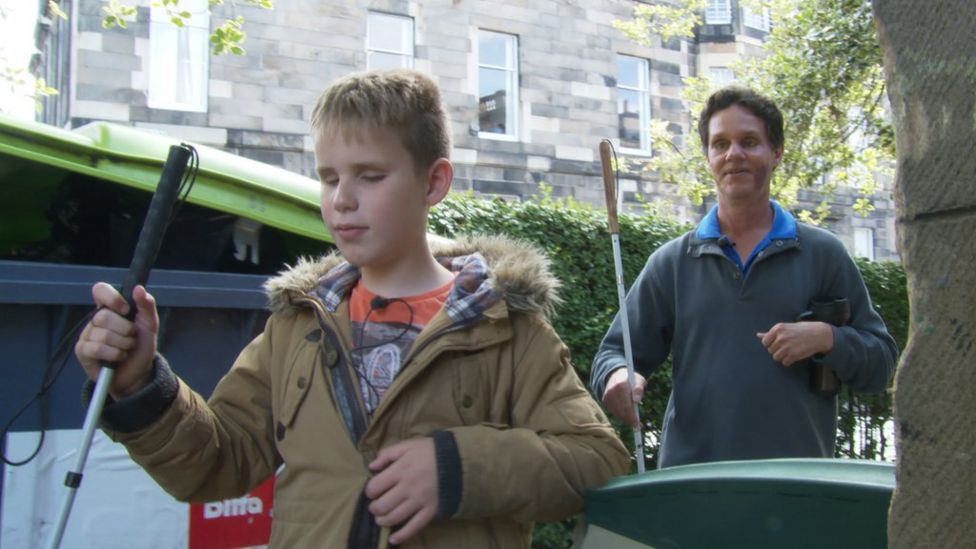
point(157, 219)
point(836, 312)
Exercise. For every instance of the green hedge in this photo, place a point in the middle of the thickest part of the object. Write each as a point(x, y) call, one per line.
point(576, 240)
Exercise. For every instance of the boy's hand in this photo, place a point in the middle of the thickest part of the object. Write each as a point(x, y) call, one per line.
point(110, 337)
point(791, 342)
point(619, 400)
point(405, 489)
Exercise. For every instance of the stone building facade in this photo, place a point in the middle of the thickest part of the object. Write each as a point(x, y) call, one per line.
point(531, 87)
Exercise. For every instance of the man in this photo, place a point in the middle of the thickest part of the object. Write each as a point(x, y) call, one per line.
point(724, 300)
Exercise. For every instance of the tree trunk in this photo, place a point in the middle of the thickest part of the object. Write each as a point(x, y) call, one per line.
point(930, 65)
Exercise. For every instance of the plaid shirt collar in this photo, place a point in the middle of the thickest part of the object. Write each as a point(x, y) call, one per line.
point(472, 294)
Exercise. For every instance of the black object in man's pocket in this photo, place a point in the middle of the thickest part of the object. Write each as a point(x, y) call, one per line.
point(836, 312)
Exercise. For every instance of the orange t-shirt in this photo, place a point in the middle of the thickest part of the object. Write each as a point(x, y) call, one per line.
point(383, 332)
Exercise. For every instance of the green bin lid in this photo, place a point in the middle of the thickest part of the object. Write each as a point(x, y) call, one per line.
point(132, 157)
point(763, 503)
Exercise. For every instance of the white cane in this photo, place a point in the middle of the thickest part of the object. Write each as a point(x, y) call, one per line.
point(171, 182)
point(610, 189)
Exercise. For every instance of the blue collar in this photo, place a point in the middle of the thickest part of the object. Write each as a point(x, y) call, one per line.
point(784, 228)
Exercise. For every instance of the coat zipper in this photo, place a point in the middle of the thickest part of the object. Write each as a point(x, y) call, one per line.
point(364, 533)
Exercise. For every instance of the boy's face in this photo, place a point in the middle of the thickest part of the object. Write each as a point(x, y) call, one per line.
point(373, 201)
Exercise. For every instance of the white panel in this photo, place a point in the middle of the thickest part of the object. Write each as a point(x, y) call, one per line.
point(116, 506)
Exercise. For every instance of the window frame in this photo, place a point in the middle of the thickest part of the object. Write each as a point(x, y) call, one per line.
point(718, 12)
point(161, 84)
point(512, 81)
point(644, 106)
point(758, 21)
point(407, 20)
point(861, 247)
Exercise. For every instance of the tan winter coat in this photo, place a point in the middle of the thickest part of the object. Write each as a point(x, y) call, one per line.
point(530, 438)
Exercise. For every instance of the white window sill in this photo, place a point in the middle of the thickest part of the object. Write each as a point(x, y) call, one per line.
point(498, 136)
point(176, 107)
point(634, 152)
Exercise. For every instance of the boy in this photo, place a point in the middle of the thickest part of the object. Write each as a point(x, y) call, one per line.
point(414, 397)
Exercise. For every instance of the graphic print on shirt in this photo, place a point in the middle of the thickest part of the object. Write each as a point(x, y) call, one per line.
point(379, 353)
point(383, 335)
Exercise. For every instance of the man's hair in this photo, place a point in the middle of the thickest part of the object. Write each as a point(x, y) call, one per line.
point(404, 101)
point(757, 104)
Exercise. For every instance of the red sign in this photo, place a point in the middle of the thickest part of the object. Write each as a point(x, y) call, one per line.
point(233, 523)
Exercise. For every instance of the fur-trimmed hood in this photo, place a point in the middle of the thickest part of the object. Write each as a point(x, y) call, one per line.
point(518, 270)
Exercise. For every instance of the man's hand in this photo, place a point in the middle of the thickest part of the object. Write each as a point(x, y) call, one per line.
point(791, 342)
point(110, 337)
point(618, 398)
point(405, 489)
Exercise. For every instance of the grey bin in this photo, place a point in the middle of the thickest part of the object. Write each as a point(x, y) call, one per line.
point(71, 208)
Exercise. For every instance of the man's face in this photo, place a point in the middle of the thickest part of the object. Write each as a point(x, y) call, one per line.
point(740, 155)
point(372, 200)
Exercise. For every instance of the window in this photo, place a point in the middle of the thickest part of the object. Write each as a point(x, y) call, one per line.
point(721, 76)
point(633, 104)
point(389, 41)
point(756, 20)
point(179, 58)
point(718, 12)
point(497, 83)
point(864, 242)
point(857, 137)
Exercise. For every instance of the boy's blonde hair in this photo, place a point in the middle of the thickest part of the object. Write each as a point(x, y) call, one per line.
point(406, 101)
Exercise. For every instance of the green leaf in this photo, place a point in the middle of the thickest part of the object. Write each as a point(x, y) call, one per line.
point(55, 9)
